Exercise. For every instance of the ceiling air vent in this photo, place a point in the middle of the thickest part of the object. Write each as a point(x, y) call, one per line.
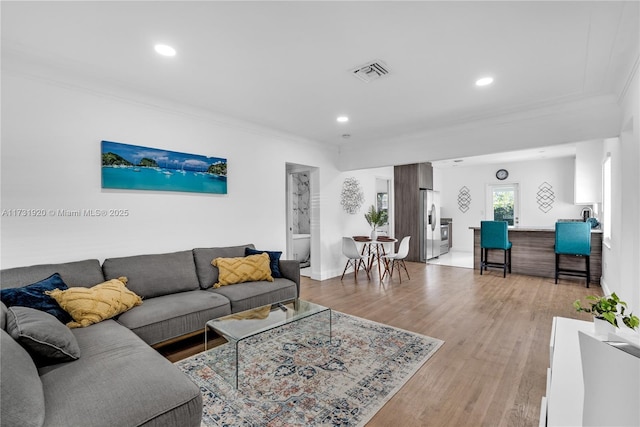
point(371, 71)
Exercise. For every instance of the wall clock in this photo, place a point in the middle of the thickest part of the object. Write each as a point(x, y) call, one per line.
point(502, 174)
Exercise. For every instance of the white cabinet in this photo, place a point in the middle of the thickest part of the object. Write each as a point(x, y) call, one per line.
point(588, 173)
point(590, 382)
point(565, 394)
point(611, 382)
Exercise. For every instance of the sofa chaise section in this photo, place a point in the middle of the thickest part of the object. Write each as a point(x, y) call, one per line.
point(118, 381)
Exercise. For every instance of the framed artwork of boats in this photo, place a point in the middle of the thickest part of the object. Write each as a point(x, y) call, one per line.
point(132, 167)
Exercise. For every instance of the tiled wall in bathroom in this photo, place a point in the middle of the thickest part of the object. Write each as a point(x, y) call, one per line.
point(301, 203)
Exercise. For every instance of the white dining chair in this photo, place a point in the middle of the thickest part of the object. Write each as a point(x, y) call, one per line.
point(354, 257)
point(396, 260)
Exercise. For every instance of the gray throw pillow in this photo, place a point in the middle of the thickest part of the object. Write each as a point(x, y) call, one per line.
point(46, 339)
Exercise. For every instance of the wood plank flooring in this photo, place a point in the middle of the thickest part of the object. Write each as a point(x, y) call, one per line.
point(491, 371)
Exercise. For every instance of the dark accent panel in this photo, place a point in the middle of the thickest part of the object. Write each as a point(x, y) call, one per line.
point(407, 207)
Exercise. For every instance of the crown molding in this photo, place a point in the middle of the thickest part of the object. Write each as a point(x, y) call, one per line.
point(75, 77)
point(627, 84)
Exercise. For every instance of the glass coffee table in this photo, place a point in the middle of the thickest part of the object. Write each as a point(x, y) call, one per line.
point(298, 315)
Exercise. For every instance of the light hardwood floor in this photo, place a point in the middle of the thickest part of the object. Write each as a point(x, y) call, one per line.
point(492, 369)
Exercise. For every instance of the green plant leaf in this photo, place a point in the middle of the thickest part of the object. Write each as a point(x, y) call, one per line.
point(606, 308)
point(375, 218)
point(610, 317)
point(631, 321)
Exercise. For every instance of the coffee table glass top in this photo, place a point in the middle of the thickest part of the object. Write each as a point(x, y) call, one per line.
point(239, 326)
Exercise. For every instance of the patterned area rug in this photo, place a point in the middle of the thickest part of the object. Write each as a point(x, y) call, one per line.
point(300, 378)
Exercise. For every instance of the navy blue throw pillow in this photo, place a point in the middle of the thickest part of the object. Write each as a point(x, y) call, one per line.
point(33, 296)
point(274, 258)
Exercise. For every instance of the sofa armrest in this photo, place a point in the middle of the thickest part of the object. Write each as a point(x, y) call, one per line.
point(290, 269)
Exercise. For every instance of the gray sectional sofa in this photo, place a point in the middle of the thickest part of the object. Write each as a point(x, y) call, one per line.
point(118, 378)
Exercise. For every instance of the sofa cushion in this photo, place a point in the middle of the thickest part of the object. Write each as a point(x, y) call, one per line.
point(169, 316)
point(251, 268)
point(290, 269)
point(155, 275)
point(22, 398)
point(274, 260)
point(245, 296)
point(100, 302)
point(3, 316)
point(207, 273)
point(78, 273)
point(34, 296)
point(118, 381)
point(42, 335)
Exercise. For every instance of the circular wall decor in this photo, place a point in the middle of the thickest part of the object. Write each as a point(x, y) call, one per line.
point(502, 174)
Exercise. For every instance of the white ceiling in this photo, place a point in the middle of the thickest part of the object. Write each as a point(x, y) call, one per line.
point(537, 153)
point(285, 65)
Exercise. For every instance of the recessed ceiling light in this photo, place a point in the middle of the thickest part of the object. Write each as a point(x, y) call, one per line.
point(165, 50)
point(484, 81)
point(342, 119)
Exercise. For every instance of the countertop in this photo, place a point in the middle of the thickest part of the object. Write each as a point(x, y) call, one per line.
point(534, 228)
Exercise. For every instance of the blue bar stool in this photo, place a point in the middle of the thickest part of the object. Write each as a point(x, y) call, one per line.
point(495, 235)
point(573, 238)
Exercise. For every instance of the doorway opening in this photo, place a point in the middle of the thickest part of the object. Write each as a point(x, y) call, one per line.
point(503, 203)
point(301, 216)
point(383, 196)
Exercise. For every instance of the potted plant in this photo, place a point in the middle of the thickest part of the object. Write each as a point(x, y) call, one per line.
point(608, 309)
point(375, 218)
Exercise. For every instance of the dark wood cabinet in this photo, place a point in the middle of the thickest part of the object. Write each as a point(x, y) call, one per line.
point(425, 176)
point(408, 180)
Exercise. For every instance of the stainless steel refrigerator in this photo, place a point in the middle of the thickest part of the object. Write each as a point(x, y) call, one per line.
point(430, 235)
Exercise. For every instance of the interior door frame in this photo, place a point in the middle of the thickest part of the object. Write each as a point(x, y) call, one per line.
point(516, 200)
point(314, 185)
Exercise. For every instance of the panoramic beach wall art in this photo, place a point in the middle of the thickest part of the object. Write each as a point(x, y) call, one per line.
point(132, 167)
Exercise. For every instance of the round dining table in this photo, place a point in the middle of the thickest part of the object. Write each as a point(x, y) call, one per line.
point(374, 249)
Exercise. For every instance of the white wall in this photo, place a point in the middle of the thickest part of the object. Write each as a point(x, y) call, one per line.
point(621, 259)
point(354, 224)
point(529, 175)
point(51, 133)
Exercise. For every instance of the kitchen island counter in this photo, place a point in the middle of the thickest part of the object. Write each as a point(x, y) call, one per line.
point(533, 253)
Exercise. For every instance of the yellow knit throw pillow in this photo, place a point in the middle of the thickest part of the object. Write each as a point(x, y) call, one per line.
point(242, 269)
point(92, 305)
